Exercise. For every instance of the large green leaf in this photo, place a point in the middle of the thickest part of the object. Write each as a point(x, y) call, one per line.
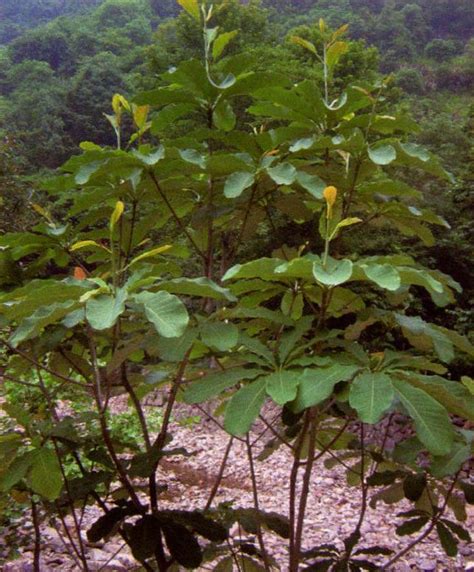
point(383, 275)
point(371, 395)
point(203, 287)
point(224, 116)
point(215, 383)
point(283, 174)
point(312, 183)
point(451, 394)
point(45, 475)
point(383, 154)
point(169, 115)
point(166, 312)
point(432, 422)
point(11, 474)
point(263, 268)
point(237, 183)
point(334, 273)
point(244, 407)
point(282, 385)
point(423, 335)
point(103, 311)
point(449, 464)
point(316, 385)
point(220, 335)
point(44, 316)
point(22, 302)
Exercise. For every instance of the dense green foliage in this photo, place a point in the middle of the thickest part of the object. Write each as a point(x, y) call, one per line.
point(255, 211)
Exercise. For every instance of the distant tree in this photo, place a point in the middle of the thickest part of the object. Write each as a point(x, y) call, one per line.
point(48, 44)
point(34, 114)
point(441, 50)
point(89, 98)
point(410, 80)
point(118, 13)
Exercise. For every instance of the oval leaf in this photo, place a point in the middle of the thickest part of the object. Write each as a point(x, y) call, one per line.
point(166, 312)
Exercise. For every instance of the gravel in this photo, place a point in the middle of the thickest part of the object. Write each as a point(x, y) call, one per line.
point(333, 507)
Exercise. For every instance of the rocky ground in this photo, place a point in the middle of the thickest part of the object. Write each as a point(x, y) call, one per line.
point(332, 509)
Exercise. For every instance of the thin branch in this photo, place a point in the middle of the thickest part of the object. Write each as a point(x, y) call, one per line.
point(424, 534)
point(33, 361)
point(175, 216)
point(37, 547)
point(257, 504)
point(220, 474)
point(298, 538)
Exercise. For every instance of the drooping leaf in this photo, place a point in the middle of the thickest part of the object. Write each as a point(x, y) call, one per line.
point(432, 422)
point(447, 539)
point(202, 287)
point(45, 475)
point(312, 183)
point(371, 395)
point(167, 116)
point(200, 524)
point(414, 485)
point(42, 317)
point(449, 464)
point(411, 526)
point(105, 524)
point(144, 537)
point(244, 407)
point(15, 471)
point(193, 156)
point(151, 158)
point(182, 544)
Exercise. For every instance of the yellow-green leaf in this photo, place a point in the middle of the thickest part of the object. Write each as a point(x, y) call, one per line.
point(221, 42)
point(118, 211)
point(335, 51)
point(150, 253)
point(119, 102)
point(191, 7)
point(340, 31)
point(304, 43)
point(140, 114)
point(85, 244)
point(345, 222)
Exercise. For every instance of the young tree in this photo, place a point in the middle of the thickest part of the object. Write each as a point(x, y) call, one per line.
point(326, 334)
